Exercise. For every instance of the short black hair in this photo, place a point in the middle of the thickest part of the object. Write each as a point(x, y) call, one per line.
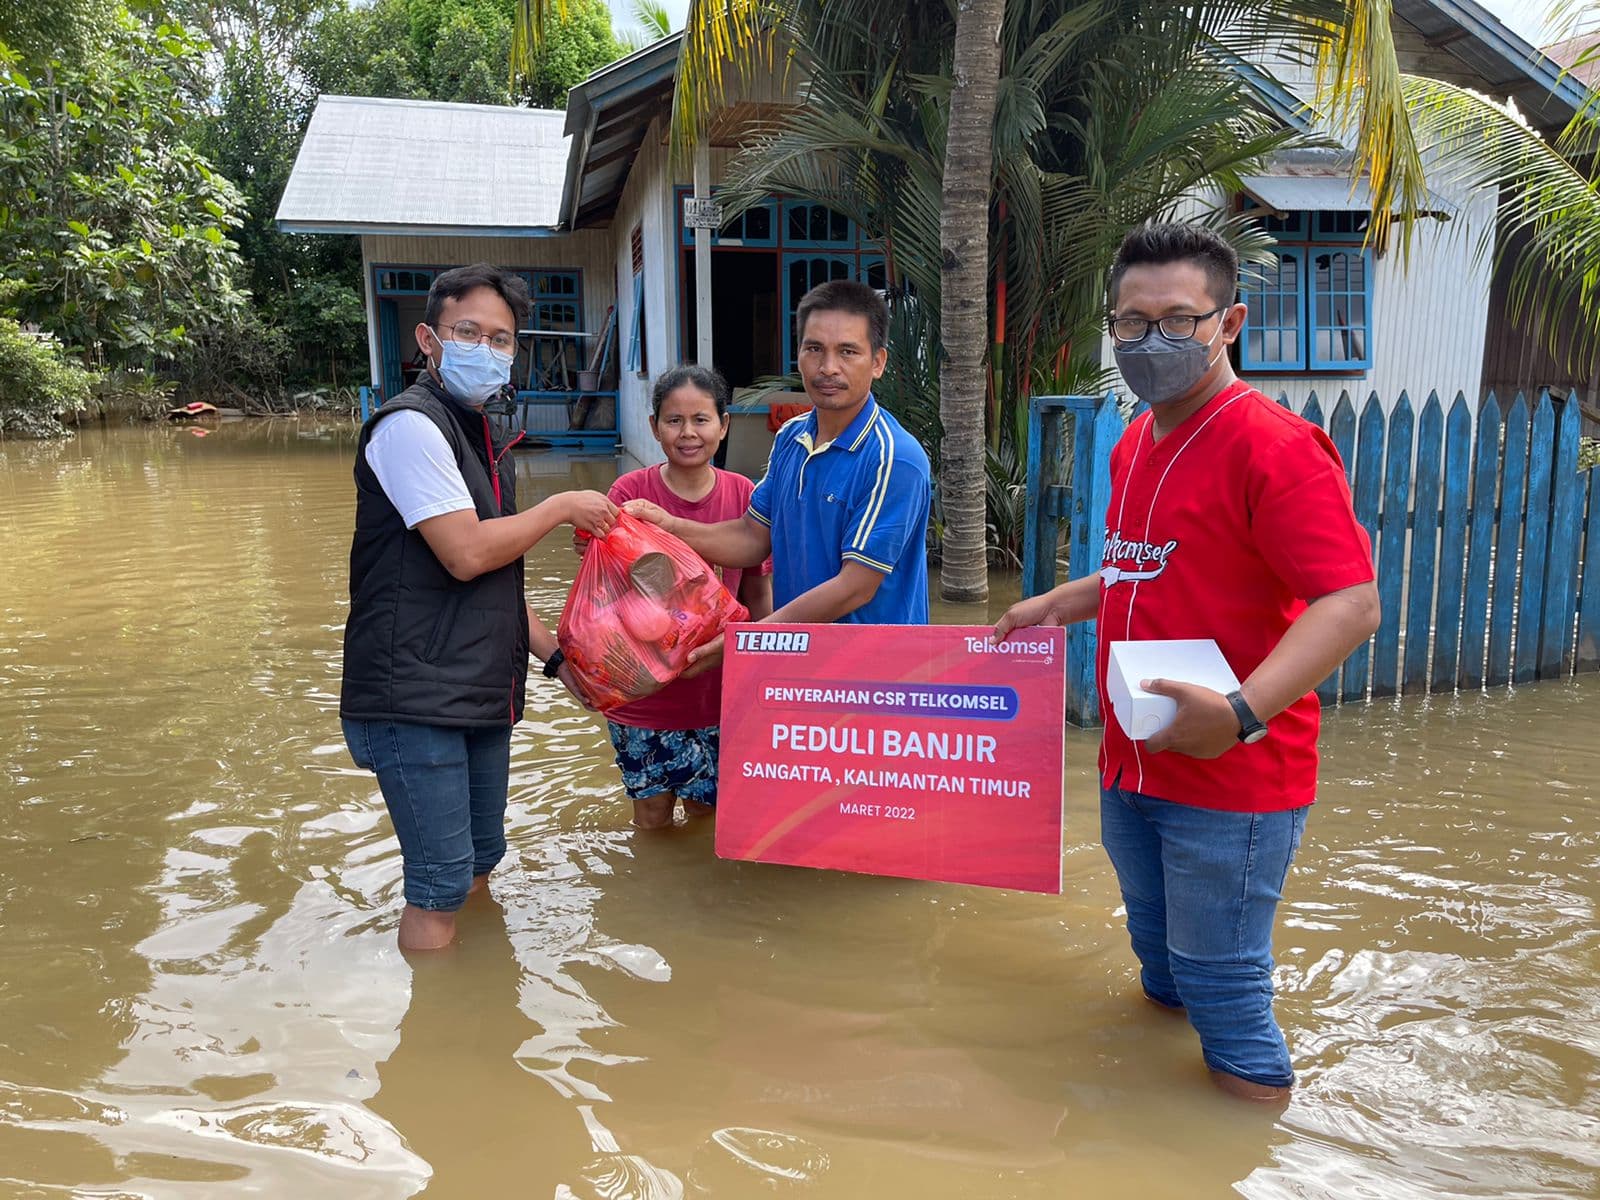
point(458, 281)
point(1156, 244)
point(846, 296)
point(691, 374)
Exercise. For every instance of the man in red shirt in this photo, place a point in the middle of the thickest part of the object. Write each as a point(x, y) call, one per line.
point(1230, 519)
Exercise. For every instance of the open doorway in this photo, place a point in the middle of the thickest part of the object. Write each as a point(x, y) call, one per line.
point(746, 332)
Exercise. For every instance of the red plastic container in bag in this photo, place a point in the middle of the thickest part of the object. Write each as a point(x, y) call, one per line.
point(642, 600)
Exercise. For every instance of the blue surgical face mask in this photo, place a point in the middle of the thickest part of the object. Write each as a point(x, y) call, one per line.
point(472, 372)
point(1158, 369)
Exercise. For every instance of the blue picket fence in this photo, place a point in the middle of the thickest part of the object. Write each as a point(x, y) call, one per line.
point(1481, 528)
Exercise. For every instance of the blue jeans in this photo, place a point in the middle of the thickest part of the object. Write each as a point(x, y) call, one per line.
point(1202, 888)
point(445, 789)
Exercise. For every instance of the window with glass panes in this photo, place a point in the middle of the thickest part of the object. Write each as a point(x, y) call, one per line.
point(1310, 308)
point(809, 243)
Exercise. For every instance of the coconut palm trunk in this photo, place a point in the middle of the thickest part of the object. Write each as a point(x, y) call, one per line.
point(964, 295)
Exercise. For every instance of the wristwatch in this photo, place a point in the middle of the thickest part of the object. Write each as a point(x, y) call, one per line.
point(1251, 728)
point(552, 665)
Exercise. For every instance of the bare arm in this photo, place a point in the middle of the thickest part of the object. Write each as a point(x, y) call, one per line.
point(854, 585)
point(543, 644)
point(1322, 638)
point(742, 542)
point(1075, 600)
point(469, 546)
point(755, 593)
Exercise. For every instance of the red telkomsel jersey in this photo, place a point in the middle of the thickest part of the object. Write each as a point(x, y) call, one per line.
point(1225, 529)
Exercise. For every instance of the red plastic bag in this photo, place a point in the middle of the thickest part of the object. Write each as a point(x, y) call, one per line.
point(642, 600)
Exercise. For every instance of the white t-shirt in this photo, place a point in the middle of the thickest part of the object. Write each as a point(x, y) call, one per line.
point(416, 467)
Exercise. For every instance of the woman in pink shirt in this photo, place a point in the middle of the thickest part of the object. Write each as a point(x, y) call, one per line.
point(667, 743)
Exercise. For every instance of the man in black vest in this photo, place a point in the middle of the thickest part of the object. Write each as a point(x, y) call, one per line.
point(436, 644)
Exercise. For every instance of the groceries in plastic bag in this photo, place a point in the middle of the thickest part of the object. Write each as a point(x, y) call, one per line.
point(641, 602)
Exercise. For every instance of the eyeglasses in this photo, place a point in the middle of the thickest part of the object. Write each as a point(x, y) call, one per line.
point(1175, 327)
point(468, 331)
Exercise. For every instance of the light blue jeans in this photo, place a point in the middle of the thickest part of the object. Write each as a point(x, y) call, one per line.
point(1202, 887)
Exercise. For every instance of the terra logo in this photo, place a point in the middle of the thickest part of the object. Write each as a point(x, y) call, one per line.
point(761, 641)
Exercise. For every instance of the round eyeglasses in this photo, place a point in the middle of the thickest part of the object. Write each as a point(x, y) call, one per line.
point(469, 331)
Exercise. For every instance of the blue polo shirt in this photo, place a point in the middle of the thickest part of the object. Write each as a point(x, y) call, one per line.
point(863, 496)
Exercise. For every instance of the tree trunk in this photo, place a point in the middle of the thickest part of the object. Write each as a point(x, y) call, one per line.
point(964, 295)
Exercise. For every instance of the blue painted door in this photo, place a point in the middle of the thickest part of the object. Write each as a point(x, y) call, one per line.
point(389, 348)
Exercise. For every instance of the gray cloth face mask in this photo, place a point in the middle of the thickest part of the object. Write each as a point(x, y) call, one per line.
point(1159, 369)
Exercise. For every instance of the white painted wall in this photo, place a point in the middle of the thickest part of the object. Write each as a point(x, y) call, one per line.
point(647, 202)
point(1429, 316)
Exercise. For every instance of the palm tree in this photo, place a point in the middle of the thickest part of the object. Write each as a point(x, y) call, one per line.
point(653, 22)
point(1548, 233)
point(964, 315)
point(1104, 115)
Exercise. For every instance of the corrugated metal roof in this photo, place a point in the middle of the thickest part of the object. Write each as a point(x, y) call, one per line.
point(1504, 63)
point(1320, 191)
point(420, 166)
point(609, 113)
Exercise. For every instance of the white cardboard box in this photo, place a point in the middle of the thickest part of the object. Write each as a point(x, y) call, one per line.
point(1142, 714)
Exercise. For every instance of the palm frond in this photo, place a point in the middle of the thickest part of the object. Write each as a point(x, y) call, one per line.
point(721, 38)
point(1549, 210)
point(527, 32)
point(653, 18)
point(1360, 85)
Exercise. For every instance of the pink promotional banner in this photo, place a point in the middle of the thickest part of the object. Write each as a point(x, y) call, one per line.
point(922, 751)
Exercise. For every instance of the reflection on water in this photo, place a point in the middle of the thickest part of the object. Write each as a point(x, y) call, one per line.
point(198, 896)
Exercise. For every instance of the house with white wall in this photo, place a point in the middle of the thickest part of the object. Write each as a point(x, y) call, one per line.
point(590, 206)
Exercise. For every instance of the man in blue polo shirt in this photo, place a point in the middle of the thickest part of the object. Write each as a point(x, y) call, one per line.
point(843, 510)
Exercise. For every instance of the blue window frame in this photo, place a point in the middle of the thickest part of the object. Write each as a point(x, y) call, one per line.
point(1340, 283)
point(816, 225)
point(1311, 309)
point(638, 351)
point(801, 273)
point(1339, 226)
point(809, 243)
point(403, 281)
point(557, 308)
point(1274, 327)
point(755, 228)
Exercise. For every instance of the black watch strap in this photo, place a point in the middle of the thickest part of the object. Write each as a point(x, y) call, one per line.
point(553, 664)
point(1251, 727)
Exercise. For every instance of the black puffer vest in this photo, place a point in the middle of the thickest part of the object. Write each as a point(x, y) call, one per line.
point(420, 645)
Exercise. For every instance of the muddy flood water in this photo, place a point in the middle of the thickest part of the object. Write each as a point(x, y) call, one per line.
point(200, 993)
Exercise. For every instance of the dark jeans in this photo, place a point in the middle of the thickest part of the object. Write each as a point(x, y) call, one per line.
point(446, 792)
point(1202, 888)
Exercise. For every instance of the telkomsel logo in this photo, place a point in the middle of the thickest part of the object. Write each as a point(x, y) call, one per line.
point(760, 641)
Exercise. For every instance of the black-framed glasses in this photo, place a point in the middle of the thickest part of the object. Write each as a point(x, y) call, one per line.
point(1175, 327)
point(469, 331)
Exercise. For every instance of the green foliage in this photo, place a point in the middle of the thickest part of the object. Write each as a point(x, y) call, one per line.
point(1588, 453)
point(242, 363)
point(121, 395)
point(41, 384)
point(576, 45)
point(654, 22)
point(115, 232)
point(467, 58)
point(1108, 115)
point(359, 52)
point(324, 319)
point(453, 50)
point(61, 29)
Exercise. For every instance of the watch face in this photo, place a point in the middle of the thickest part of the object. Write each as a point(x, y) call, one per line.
point(1254, 736)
